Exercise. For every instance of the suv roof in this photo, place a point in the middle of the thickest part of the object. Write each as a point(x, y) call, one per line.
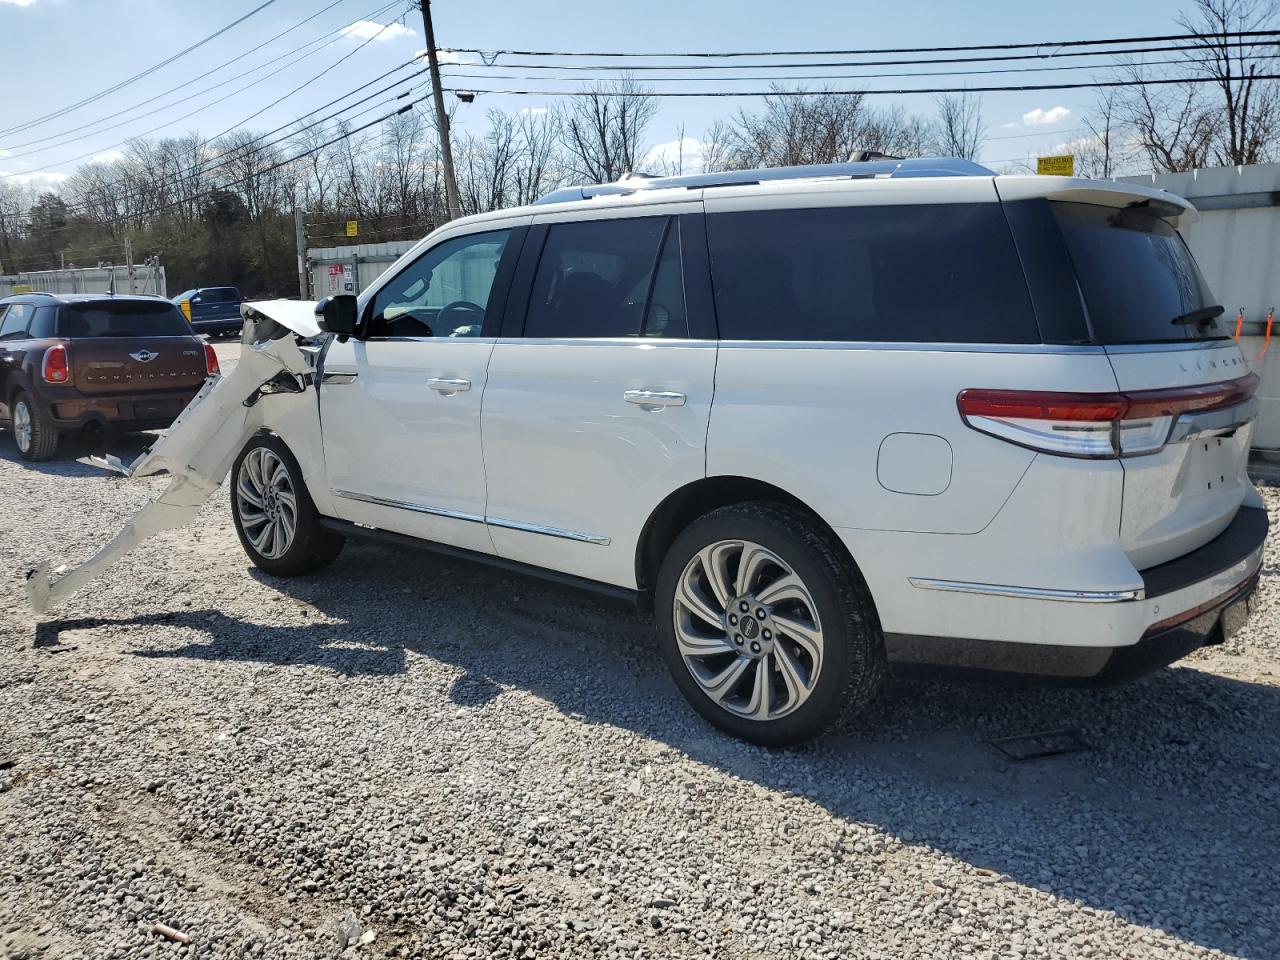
point(45, 296)
point(882, 167)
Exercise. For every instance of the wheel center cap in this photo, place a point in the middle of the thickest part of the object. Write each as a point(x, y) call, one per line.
point(750, 628)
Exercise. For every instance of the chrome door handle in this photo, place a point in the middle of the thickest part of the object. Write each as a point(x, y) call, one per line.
point(448, 386)
point(655, 399)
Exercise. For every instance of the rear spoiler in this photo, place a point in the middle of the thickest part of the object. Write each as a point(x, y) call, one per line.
point(1103, 193)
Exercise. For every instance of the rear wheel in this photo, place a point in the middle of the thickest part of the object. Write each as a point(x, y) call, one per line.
point(35, 436)
point(275, 517)
point(766, 624)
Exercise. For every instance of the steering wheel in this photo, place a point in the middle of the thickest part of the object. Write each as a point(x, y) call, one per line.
point(468, 314)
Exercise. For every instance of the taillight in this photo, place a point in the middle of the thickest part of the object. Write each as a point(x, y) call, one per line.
point(56, 367)
point(1095, 425)
point(210, 360)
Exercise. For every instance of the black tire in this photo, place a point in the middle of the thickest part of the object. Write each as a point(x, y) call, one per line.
point(312, 547)
point(852, 660)
point(44, 435)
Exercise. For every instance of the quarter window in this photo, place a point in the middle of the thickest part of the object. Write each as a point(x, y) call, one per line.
point(444, 293)
point(597, 279)
point(945, 273)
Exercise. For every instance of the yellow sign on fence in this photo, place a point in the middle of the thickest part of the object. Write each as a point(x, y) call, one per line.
point(1056, 166)
point(353, 227)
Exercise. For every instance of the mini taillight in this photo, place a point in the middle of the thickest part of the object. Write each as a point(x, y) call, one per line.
point(211, 360)
point(1098, 425)
point(56, 367)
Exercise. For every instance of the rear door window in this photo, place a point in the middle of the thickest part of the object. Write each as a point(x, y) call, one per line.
point(14, 324)
point(595, 279)
point(1136, 274)
point(944, 273)
point(122, 318)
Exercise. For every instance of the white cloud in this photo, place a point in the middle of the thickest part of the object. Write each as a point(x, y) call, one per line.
point(108, 156)
point(40, 178)
point(674, 156)
point(1011, 125)
point(1040, 117)
point(19, 3)
point(370, 29)
point(529, 111)
point(3, 152)
point(444, 57)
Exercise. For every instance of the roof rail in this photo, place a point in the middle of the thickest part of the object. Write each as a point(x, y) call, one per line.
point(875, 166)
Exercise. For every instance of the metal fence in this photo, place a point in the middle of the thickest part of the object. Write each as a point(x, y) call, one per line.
point(146, 279)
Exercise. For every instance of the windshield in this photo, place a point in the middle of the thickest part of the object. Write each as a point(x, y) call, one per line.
point(1139, 280)
point(122, 318)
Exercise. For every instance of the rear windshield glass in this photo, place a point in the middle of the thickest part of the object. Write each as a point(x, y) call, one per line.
point(927, 273)
point(122, 319)
point(1139, 280)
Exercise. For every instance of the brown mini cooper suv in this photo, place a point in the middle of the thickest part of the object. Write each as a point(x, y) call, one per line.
point(74, 363)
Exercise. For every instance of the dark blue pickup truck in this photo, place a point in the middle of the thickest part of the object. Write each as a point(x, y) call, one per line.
point(211, 310)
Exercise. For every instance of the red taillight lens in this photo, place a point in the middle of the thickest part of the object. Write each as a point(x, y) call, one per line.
point(1098, 425)
point(56, 367)
point(210, 360)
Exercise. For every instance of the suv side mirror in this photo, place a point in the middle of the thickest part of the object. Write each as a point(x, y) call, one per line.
point(338, 314)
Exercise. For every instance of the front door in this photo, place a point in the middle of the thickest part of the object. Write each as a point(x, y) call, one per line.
point(598, 408)
point(400, 407)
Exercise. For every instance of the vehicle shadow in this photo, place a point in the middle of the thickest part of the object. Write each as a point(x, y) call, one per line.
point(73, 447)
point(1175, 780)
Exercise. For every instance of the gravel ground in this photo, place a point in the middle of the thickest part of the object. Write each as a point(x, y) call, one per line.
point(409, 757)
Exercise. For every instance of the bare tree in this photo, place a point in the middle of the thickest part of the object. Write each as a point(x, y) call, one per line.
point(961, 131)
point(603, 128)
point(1098, 154)
point(717, 147)
point(826, 127)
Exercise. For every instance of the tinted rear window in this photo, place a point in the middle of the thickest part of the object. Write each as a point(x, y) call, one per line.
point(944, 273)
point(1136, 275)
point(122, 319)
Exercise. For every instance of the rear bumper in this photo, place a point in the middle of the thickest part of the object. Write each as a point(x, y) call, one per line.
point(1179, 608)
point(143, 411)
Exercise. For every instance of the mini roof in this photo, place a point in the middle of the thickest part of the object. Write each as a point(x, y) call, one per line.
point(859, 170)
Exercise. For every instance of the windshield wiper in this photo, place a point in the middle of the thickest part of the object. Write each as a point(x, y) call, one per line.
point(1201, 316)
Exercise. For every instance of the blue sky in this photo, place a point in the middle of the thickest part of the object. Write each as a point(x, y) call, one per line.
point(59, 51)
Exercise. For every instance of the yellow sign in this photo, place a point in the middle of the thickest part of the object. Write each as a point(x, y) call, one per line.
point(353, 226)
point(1056, 166)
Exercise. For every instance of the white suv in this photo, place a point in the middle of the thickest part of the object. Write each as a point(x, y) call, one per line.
point(829, 421)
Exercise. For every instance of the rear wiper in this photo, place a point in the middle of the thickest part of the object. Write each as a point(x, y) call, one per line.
point(1201, 316)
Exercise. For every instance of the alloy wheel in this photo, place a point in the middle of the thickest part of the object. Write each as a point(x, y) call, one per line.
point(267, 503)
point(748, 630)
point(22, 425)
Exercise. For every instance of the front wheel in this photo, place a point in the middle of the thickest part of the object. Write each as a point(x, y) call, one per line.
point(275, 518)
point(766, 624)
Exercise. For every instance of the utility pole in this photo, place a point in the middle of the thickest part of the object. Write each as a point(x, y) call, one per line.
point(128, 262)
point(300, 239)
point(442, 118)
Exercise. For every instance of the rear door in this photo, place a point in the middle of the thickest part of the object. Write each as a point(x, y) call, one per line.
point(1145, 299)
point(600, 392)
point(130, 346)
point(14, 320)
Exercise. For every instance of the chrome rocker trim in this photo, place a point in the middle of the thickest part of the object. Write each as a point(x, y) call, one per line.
point(559, 532)
point(1030, 593)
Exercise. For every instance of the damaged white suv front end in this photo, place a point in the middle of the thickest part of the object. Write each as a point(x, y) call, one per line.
point(278, 359)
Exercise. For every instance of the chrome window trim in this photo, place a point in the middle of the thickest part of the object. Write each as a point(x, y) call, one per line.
point(560, 532)
point(915, 347)
point(1029, 593)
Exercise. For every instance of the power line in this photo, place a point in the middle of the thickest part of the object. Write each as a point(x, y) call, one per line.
point(168, 123)
point(137, 76)
point(913, 61)
point(783, 92)
point(239, 58)
point(1043, 44)
point(452, 75)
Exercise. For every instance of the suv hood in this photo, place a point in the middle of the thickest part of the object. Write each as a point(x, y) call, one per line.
point(200, 447)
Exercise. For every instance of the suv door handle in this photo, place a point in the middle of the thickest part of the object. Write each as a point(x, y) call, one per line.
point(447, 386)
point(655, 399)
